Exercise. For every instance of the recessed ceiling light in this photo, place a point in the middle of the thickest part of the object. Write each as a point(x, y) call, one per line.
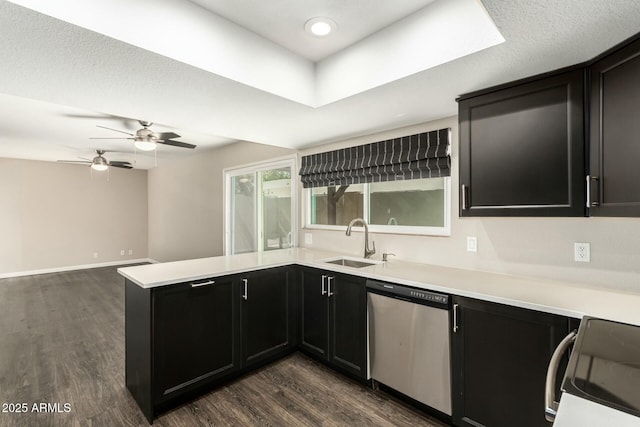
point(320, 26)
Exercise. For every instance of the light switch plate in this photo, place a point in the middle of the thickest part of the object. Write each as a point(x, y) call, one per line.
point(308, 238)
point(472, 244)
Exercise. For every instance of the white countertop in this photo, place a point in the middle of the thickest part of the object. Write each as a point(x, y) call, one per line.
point(563, 298)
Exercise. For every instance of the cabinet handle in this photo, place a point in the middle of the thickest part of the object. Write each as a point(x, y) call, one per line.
point(245, 296)
point(590, 181)
point(588, 185)
point(208, 282)
point(324, 291)
point(329, 280)
point(455, 318)
point(463, 196)
point(550, 404)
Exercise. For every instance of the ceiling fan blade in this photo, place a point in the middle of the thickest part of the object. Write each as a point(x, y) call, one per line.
point(166, 135)
point(115, 130)
point(122, 137)
point(74, 161)
point(123, 165)
point(176, 143)
point(96, 116)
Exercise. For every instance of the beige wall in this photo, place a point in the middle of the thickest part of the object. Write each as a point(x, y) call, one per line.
point(539, 247)
point(55, 215)
point(186, 200)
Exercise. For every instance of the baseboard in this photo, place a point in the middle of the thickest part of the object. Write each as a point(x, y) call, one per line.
point(75, 267)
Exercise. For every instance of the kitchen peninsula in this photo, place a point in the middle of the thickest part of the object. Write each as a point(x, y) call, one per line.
point(224, 283)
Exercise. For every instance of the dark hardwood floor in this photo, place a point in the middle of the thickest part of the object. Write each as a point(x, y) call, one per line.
point(62, 345)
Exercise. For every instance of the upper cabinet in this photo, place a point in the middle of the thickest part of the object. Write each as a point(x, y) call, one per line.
point(562, 144)
point(522, 148)
point(614, 188)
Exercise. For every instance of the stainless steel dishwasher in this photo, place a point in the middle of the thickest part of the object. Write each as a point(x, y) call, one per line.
point(409, 342)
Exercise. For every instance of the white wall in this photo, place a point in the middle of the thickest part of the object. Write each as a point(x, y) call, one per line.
point(186, 221)
point(186, 201)
point(55, 215)
point(539, 247)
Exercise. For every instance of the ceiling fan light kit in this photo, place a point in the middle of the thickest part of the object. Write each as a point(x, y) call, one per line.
point(145, 145)
point(99, 163)
point(99, 167)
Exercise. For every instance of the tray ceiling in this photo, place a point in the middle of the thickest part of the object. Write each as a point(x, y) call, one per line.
point(88, 72)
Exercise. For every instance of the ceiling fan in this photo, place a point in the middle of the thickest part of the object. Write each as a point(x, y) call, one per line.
point(146, 140)
point(99, 163)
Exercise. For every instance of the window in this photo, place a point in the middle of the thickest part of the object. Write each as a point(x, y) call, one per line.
point(418, 206)
point(260, 207)
point(398, 185)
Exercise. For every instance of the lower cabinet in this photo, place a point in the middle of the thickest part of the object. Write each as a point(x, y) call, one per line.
point(268, 315)
point(333, 319)
point(182, 339)
point(500, 358)
point(195, 335)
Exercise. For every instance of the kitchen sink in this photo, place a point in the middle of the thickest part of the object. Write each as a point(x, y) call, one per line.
point(352, 262)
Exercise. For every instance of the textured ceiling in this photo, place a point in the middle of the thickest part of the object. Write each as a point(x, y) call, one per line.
point(82, 72)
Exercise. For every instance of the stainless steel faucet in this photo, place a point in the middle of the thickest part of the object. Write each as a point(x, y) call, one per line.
point(367, 252)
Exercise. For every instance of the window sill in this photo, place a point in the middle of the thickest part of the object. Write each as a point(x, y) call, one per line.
point(381, 229)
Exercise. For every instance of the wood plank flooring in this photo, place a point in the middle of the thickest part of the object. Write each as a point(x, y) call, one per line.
point(62, 342)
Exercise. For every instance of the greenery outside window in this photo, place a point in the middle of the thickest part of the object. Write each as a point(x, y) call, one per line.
point(260, 207)
point(417, 206)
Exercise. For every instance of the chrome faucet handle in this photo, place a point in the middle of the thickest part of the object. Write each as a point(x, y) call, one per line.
point(385, 256)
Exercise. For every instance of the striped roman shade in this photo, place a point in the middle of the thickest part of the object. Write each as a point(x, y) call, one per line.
point(424, 155)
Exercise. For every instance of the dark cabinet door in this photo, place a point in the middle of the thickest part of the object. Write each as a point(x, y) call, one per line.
point(348, 323)
point(334, 319)
point(500, 358)
point(522, 149)
point(195, 335)
point(266, 328)
point(615, 126)
point(314, 312)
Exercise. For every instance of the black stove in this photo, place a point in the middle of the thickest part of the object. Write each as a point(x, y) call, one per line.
point(605, 365)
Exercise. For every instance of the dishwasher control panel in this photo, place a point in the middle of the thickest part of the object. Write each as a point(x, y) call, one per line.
point(430, 296)
point(406, 292)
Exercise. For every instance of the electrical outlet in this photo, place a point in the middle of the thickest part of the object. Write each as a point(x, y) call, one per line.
point(130, 251)
point(472, 244)
point(95, 255)
point(582, 252)
point(122, 252)
point(308, 238)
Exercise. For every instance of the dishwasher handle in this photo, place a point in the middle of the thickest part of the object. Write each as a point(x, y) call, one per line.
point(550, 403)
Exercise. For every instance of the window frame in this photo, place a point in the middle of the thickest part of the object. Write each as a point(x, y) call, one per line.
point(445, 230)
point(229, 173)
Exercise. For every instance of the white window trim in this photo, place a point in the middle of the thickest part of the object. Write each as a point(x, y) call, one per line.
point(228, 173)
point(445, 230)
